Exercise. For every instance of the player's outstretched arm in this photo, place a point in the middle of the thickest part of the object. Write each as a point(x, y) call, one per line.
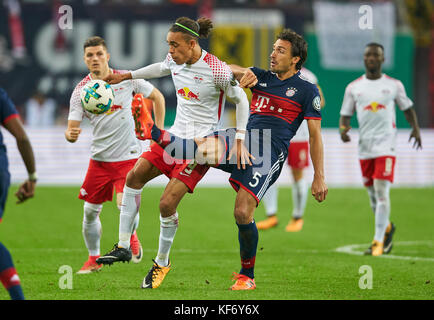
point(245, 76)
point(27, 189)
point(115, 78)
point(319, 188)
point(159, 107)
point(410, 115)
point(344, 127)
point(72, 131)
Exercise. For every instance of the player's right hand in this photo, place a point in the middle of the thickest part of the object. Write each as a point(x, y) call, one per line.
point(248, 80)
point(72, 134)
point(25, 191)
point(344, 134)
point(113, 78)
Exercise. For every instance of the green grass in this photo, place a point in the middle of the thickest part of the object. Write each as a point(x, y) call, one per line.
point(45, 233)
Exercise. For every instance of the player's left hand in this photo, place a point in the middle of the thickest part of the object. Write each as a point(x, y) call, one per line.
point(415, 134)
point(243, 155)
point(319, 189)
point(25, 191)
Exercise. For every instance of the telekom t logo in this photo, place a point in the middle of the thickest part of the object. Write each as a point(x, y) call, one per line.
point(260, 101)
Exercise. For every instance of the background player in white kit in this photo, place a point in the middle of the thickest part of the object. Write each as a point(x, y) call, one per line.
point(298, 160)
point(373, 97)
point(202, 83)
point(114, 149)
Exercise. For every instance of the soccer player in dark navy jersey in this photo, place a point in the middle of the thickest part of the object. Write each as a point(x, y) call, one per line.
point(10, 120)
point(281, 100)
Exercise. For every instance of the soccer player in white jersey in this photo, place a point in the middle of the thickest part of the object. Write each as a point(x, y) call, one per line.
point(298, 160)
point(114, 149)
point(202, 83)
point(373, 96)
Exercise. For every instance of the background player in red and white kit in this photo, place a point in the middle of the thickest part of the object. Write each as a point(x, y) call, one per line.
point(373, 97)
point(114, 149)
point(202, 83)
point(298, 160)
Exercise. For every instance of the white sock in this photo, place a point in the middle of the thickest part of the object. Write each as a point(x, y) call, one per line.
point(299, 197)
point(382, 211)
point(92, 228)
point(270, 199)
point(168, 227)
point(136, 220)
point(129, 210)
point(136, 223)
point(372, 198)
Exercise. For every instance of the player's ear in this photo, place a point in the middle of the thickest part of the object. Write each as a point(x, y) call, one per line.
point(108, 57)
point(295, 60)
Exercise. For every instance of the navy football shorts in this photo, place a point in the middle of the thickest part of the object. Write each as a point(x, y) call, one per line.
point(266, 167)
point(5, 180)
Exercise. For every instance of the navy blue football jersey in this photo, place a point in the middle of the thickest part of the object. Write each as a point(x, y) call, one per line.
point(7, 112)
point(282, 105)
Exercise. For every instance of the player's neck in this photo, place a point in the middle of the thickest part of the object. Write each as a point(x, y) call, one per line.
point(373, 75)
point(288, 74)
point(101, 74)
point(197, 53)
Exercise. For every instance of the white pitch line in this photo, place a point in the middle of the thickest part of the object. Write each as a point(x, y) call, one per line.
point(350, 249)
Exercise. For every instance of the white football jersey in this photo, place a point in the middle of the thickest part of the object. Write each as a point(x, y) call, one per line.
point(302, 133)
point(201, 90)
point(113, 138)
point(374, 101)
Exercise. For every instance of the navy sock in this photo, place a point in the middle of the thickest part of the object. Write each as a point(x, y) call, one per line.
point(248, 238)
point(9, 276)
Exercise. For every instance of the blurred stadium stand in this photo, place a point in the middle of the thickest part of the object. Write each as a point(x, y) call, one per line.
point(36, 55)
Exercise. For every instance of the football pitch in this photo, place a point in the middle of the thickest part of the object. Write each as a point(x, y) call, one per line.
point(323, 261)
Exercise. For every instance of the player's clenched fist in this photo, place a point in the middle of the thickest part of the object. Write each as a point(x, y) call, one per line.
point(114, 78)
point(71, 134)
point(319, 189)
point(248, 80)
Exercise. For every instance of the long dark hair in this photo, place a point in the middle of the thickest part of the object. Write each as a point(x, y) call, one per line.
point(193, 30)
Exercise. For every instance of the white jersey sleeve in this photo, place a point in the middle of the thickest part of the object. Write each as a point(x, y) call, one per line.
point(348, 105)
point(76, 111)
point(155, 70)
point(401, 99)
point(142, 86)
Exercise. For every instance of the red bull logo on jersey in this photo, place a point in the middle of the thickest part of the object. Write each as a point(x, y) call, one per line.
point(374, 107)
point(187, 94)
point(114, 108)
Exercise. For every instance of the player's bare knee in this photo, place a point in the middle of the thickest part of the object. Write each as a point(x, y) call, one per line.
point(167, 206)
point(242, 215)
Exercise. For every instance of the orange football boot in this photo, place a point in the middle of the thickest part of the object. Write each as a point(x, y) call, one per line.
point(294, 225)
point(242, 282)
point(141, 109)
point(268, 223)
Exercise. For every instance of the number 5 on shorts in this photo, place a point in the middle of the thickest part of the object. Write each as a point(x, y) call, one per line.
point(256, 177)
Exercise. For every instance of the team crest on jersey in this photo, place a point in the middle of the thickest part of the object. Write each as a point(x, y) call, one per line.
point(291, 91)
point(316, 103)
point(198, 79)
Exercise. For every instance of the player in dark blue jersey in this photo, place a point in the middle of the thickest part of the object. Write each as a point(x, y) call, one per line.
point(281, 100)
point(10, 120)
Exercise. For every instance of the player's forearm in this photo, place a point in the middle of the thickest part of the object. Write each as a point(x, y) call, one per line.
point(237, 71)
point(26, 151)
point(242, 111)
point(344, 121)
point(317, 155)
point(411, 117)
point(159, 109)
point(149, 72)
